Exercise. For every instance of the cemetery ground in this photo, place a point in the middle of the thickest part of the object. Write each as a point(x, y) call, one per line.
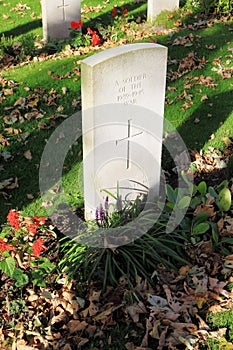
point(189, 307)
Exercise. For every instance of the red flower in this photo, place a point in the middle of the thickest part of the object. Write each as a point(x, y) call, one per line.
point(80, 23)
point(32, 228)
point(125, 12)
point(4, 246)
point(90, 31)
point(12, 218)
point(39, 220)
point(114, 12)
point(38, 247)
point(76, 25)
point(95, 40)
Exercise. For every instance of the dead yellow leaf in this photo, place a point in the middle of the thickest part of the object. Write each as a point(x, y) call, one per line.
point(27, 154)
point(21, 345)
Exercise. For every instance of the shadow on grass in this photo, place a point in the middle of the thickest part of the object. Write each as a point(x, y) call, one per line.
point(27, 172)
point(196, 135)
point(210, 120)
point(23, 28)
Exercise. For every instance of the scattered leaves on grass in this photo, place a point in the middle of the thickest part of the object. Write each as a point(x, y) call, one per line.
point(184, 65)
point(210, 160)
point(89, 9)
point(9, 184)
point(184, 40)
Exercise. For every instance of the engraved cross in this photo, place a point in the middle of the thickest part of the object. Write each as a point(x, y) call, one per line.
point(63, 7)
point(128, 139)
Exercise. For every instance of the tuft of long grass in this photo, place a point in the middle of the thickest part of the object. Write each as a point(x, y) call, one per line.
point(137, 258)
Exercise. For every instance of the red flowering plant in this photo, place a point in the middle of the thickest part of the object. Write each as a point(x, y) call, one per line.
point(119, 12)
point(23, 247)
point(79, 39)
point(95, 38)
point(120, 23)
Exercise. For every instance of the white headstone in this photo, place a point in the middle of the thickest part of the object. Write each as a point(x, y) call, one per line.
point(57, 15)
point(154, 7)
point(123, 91)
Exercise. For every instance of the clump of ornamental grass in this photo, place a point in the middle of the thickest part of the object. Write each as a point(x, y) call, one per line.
point(138, 258)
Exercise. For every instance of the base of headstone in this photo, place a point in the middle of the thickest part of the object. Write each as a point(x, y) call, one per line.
point(155, 7)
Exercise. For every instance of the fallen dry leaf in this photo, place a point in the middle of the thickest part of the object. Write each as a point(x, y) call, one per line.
point(27, 154)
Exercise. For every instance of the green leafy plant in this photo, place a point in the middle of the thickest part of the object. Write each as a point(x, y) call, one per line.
point(206, 207)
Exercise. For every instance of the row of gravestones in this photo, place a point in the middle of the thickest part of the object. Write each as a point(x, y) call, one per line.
point(57, 15)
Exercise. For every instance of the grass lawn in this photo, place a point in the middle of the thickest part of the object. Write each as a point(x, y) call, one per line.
point(38, 93)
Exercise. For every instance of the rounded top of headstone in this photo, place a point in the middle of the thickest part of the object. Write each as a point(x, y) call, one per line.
point(121, 50)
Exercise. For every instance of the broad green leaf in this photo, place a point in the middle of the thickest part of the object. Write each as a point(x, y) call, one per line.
point(184, 202)
point(224, 199)
point(38, 278)
point(212, 192)
point(228, 240)
point(20, 277)
point(8, 266)
point(195, 202)
point(171, 194)
point(46, 265)
point(200, 228)
point(201, 217)
point(202, 188)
